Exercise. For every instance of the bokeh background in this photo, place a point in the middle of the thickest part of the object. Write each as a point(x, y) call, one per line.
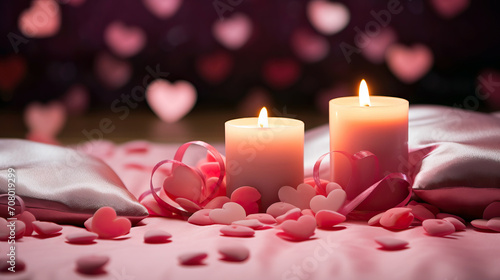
point(243, 53)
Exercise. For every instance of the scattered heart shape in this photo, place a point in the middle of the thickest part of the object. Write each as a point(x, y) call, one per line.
point(391, 243)
point(41, 20)
point(171, 102)
point(88, 224)
point(492, 210)
point(46, 228)
point(112, 72)
point(420, 212)
point(237, 231)
point(397, 218)
point(27, 218)
point(409, 64)
point(375, 220)
point(251, 223)
point(162, 9)
point(494, 224)
point(234, 252)
point(193, 258)
point(375, 47)
point(12, 71)
point(92, 264)
point(309, 46)
point(281, 73)
point(45, 120)
point(214, 68)
point(184, 182)
point(82, 237)
point(279, 208)
point(444, 215)
point(328, 17)
point(480, 223)
point(229, 213)
point(157, 236)
point(248, 198)
point(233, 32)
point(437, 227)
point(300, 197)
point(333, 201)
point(298, 230)
point(292, 214)
point(217, 202)
point(456, 223)
point(187, 204)
point(263, 218)
point(449, 9)
point(328, 218)
point(125, 41)
point(201, 218)
point(107, 225)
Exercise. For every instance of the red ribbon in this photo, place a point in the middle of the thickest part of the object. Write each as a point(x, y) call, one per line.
point(349, 206)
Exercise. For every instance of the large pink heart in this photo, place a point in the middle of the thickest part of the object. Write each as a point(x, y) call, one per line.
point(183, 182)
point(125, 41)
point(169, 101)
point(309, 46)
point(45, 120)
point(41, 20)
point(328, 17)
point(163, 9)
point(300, 196)
point(113, 73)
point(450, 8)
point(233, 32)
point(409, 64)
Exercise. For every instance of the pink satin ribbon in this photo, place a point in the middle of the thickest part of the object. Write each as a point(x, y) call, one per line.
point(177, 161)
point(349, 206)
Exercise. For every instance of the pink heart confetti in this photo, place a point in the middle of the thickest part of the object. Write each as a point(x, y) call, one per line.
point(107, 225)
point(309, 46)
point(492, 210)
point(27, 218)
point(251, 223)
point(125, 41)
point(201, 218)
point(333, 201)
point(494, 224)
point(6, 226)
point(237, 231)
point(479, 223)
point(233, 32)
point(162, 9)
point(292, 214)
point(112, 72)
point(42, 19)
point(187, 204)
point(420, 212)
point(409, 64)
point(45, 120)
point(375, 220)
point(328, 218)
point(229, 213)
point(217, 202)
point(91, 264)
point(46, 228)
point(299, 197)
point(171, 102)
point(328, 17)
point(299, 230)
point(444, 215)
point(456, 223)
point(279, 208)
point(308, 212)
point(82, 237)
point(248, 198)
point(397, 218)
point(156, 236)
point(88, 224)
point(184, 182)
point(450, 8)
point(192, 258)
point(263, 218)
point(332, 186)
point(391, 243)
point(234, 252)
point(437, 227)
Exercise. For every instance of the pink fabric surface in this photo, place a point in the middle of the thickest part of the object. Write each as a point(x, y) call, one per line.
point(346, 252)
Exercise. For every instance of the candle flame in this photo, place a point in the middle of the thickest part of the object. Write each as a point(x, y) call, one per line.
point(364, 96)
point(263, 120)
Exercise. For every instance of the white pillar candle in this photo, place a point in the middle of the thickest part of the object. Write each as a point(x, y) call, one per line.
point(264, 156)
point(377, 124)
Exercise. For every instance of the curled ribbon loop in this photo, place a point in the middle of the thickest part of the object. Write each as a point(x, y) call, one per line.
point(355, 202)
point(172, 206)
point(18, 198)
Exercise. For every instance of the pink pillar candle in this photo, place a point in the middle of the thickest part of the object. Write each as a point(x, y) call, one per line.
point(265, 158)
